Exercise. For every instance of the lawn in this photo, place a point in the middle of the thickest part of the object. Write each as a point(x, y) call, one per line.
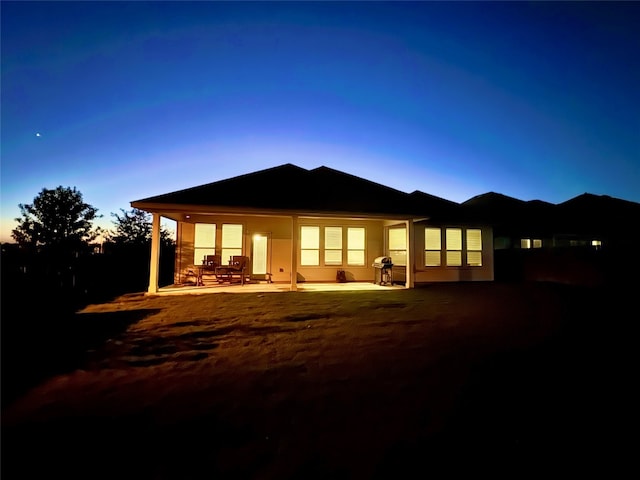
point(333, 385)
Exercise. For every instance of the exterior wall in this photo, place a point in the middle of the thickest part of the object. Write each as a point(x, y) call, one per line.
point(280, 248)
point(184, 251)
point(278, 230)
point(374, 247)
point(444, 273)
point(279, 261)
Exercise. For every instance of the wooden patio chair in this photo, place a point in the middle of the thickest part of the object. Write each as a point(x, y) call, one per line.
point(239, 267)
point(210, 264)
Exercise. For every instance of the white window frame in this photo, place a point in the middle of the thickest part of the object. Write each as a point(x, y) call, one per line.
point(398, 245)
point(309, 245)
point(432, 247)
point(474, 248)
point(356, 254)
point(453, 245)
point(204, 241)
point(333, 252)
point(231, 244)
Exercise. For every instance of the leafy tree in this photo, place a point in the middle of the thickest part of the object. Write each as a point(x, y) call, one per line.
point(133, 228)
point(129, 246)
point(58, 219)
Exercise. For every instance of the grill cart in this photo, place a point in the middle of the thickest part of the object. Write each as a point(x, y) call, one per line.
point(383, 271)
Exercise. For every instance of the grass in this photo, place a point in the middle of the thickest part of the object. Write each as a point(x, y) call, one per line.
point(329, 384)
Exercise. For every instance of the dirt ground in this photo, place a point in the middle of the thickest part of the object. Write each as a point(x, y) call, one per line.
point(500, 379)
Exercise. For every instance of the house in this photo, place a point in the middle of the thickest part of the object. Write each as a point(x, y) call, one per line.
point(298, 225)
point(592, 221)
point(589, 239)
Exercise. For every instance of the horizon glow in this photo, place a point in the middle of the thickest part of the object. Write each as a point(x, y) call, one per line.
point(125, 100)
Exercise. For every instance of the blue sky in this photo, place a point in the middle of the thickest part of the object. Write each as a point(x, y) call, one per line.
point(123, 100)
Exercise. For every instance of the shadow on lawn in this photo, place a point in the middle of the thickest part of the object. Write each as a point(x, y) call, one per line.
point(54, 342)
point(192, 345)
point(562, 403)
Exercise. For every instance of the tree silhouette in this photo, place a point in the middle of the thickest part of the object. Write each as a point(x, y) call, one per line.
point(129, 247)
point(58, 219)
point(133, 228)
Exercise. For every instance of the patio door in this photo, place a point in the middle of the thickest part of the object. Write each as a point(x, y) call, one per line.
point(260, 256)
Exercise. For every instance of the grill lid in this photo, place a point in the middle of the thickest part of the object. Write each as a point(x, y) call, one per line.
point(382, 261)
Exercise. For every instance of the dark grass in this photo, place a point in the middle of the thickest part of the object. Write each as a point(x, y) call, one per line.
point(562, 405)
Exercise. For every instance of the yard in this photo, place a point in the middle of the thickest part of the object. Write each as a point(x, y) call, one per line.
point(485, 377)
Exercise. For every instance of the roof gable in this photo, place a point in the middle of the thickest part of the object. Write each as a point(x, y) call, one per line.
point(292, 188)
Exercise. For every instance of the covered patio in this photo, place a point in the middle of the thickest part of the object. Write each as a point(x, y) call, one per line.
point(302, 228)
point(264, 287)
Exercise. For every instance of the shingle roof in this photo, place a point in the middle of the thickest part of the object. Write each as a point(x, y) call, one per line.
point(289, 188)
point(292, 188)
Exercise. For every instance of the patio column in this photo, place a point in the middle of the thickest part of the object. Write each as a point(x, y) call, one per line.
point(409, 283)
point(155, 254)
point(294, 253)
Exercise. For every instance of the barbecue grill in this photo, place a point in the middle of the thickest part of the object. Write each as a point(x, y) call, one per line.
point(383, 271)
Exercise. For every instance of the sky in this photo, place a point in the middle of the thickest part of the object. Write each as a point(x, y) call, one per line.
point(125, 100)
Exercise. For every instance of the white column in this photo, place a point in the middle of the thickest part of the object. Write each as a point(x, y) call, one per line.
point(409, 283)
point(294, 253)
point(154, 265)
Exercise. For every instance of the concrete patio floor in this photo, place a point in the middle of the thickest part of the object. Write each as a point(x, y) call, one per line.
point(264, 287)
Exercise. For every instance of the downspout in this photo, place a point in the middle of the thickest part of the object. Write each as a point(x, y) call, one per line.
point(154, 264)
point(294, 253)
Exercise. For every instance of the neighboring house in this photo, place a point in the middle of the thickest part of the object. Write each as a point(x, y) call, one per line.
point(589, 239)
point(592, 221)
point(299, 225)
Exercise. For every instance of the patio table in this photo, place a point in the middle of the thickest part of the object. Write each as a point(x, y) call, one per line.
point(228, 273)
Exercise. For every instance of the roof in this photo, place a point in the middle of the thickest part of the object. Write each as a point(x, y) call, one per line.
point(291, 188)
point(288, 189)
point(586, 213)
point(439, 209)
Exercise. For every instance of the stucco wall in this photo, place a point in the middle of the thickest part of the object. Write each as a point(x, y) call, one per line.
point(278, 230)
point(444, 273)
point(374, 242)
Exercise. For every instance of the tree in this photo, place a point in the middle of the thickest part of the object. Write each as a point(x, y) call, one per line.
point(133, 228)
point(129, 247)
point(58, 219)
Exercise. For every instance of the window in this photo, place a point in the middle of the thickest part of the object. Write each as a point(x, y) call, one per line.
point(398, 245)
point(355, 246)
point(474, 247)
point(331, 250)
point(309, 245)
point(204, 242)
point(530, 243)
point(231, 241)
point(333, 246)
point(597, 244)
point(454, 247)
point(432, 247)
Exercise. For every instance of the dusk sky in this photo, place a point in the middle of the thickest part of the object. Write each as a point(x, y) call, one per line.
point(124, 100)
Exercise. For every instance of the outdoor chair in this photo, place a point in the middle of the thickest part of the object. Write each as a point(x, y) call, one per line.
point(239, 262)
point(236, 270)
point(210, 264)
